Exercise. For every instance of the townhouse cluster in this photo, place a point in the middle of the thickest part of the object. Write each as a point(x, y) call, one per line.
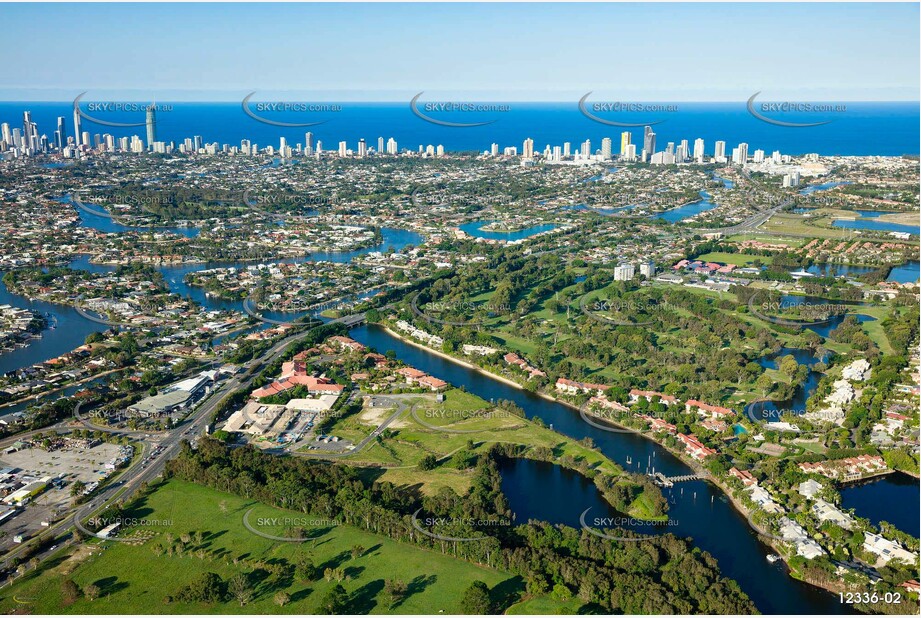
point(714, 417)
point(847, 469)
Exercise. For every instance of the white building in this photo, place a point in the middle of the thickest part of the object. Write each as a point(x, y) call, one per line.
point(858, 371)
point(624, 272)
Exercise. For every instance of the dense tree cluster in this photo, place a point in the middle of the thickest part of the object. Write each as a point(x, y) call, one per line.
point(662, 575)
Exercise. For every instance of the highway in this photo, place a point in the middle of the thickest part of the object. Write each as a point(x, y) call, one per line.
point(750, 225)
point(150, 464)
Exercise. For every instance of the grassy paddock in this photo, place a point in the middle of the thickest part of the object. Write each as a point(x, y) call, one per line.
point(132, 579)
point(739, 259)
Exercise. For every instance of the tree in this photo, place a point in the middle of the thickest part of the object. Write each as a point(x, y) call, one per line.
point(428, 462)
point(240, 588)
point(395, 589)
point(476, 599)
point(335, 601)
point(70, 591)
point(788, 366)
point(305, 571)
point(77, 488)
point(764, 383)
point(91, 592)
point(207, 588)
point(281, 598)
point(357, 551)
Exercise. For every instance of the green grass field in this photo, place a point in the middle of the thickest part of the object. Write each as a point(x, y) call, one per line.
point(739, 259)
point(545, 606)
point(430, 432)
point(132, 579)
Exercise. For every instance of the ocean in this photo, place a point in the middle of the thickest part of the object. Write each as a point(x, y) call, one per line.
point(861, 129)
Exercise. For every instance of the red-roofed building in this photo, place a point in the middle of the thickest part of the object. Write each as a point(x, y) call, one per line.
point(657, 425)
point(694, 447)
point(379, 359)
point(513, 359)
point(432, 382)
point(714, 425)
point(896, 418)
point(743, 475)
point(572, 387)
point(410, 373)
point(346, 342)
point(706, 410)
point(636, 394)
point(610, 404)
point(911, 585)
point(315, 386)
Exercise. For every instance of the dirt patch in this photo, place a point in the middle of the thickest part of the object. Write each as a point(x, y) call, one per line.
point(80, 555)
point(375, 416)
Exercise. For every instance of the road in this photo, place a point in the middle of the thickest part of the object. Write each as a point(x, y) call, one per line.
point(401, 407)
point(749, 225)
point(149, 466)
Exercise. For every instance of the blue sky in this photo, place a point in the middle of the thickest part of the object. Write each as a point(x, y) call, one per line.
point(677, 52)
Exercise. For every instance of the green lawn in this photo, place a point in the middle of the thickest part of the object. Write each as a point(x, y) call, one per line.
point(432, 431)
point(133, 580)
point(739, 259)
point(545, 606)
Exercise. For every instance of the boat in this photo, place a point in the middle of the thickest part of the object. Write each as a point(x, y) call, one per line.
point(772, 558)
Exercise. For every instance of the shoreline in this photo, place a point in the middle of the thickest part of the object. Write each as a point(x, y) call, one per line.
point(518, 386)
point(43, 394)
point(452, 359)
point(762, 537)
point(683, 458)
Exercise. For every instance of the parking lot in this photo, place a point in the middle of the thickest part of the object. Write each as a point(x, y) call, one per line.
point(74, 463)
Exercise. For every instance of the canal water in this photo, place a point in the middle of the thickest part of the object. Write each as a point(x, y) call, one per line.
point(822, 187)
point(771, 411)
point(475, 229)
point(885, 499)
point(694, 208)
point(699, 510)
point(876, 226)
point(67, 330)
point(909, 272)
